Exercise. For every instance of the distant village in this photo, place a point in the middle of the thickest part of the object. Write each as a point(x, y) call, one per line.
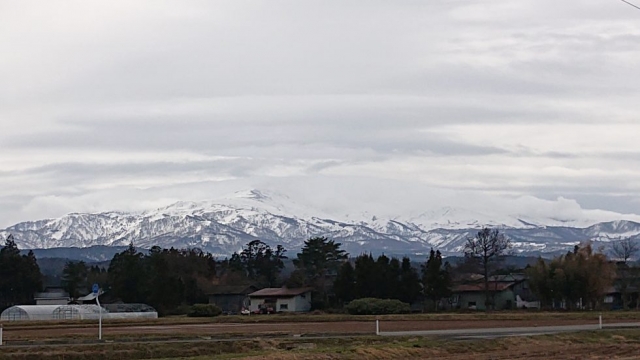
point(324, 278)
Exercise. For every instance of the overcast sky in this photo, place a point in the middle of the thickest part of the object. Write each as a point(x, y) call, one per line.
point(134, 104)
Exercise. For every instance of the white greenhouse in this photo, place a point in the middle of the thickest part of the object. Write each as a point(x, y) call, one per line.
point(69, 312)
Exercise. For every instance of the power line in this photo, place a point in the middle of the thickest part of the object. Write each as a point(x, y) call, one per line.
point(635, 6)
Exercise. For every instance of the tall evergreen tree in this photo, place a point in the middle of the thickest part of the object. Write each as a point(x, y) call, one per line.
point(345, 284)
point(366, 276)
point(385, 278)
point(20, 275)
point(166, 290)
point(74, 278)
point(128, 277)
point(409, 283)
point(436, 278)
point(261, 263)
point(319, 260)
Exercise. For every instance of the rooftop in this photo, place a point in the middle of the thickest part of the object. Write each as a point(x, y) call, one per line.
point(280, 292)
point(479, 287)
point(232, 289)
point(51, 295)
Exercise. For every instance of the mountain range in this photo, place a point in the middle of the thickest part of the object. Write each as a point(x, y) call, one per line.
point(224, 225)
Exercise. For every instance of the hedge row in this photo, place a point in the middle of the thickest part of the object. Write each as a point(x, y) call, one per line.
point(372, 306)
point(204, 310)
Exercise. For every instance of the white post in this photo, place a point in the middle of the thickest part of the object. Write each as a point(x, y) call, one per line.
point(600, 321)
point(377, 327)
point(1, 334)
point(100, 320)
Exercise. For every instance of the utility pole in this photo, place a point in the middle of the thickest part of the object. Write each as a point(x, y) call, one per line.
point(96, 292)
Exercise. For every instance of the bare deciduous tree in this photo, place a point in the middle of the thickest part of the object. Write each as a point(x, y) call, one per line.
point(625, 249)
point(487, 248)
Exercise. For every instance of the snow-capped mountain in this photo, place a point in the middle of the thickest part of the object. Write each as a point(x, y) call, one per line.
point(222, 226)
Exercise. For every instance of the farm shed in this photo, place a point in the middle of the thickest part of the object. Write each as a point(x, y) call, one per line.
point(282, 299)
point(231, 299)
point(52, 296)
point(507, 292)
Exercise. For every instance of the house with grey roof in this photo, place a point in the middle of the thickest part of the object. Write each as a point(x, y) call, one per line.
point(231, 299)
point(281, 300)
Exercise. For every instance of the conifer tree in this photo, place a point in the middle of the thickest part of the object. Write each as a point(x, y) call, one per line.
point(409, 284)
point(20, 275)
point(436, 278)
point(345, 284)
point(74, 278)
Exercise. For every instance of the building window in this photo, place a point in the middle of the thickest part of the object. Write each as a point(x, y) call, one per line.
point(284, 306)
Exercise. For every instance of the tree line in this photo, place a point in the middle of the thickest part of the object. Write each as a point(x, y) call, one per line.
point(20, 275)
point(170, 279)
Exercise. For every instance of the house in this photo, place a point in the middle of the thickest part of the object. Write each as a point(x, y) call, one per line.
point(281, 299)
point(507, 292)
point(52, 296)
point(613, 298)
point(231, 299)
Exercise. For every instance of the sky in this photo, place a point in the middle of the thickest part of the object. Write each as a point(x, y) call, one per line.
point(528, 105)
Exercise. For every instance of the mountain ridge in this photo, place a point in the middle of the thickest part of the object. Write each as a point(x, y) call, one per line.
point(223, 226)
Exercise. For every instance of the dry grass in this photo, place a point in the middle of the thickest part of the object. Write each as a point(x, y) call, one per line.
point(279, 318)
point(588, 345)
point(272, 325)
point(584, 345)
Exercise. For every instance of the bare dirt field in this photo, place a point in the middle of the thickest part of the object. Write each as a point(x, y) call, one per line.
point(618, 344)
point(222, 330)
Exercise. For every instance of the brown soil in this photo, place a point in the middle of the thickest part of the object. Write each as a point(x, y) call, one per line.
point(263, 329)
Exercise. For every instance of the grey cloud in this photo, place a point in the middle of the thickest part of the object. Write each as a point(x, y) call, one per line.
point(290, 87)
point(383, 137)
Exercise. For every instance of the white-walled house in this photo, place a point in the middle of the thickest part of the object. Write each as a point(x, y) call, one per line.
point(281, 299)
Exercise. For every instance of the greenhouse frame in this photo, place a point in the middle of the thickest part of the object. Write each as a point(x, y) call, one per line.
point(75, 312)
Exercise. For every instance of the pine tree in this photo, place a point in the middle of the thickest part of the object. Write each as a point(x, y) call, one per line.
point(20, 275)
point(436, 278)
point(366, 276)
point(128, 277)
point(319, 260)
point(345, 284)
point(261, 263)
point(74, 278)
point(385, 277)
point(409, 283)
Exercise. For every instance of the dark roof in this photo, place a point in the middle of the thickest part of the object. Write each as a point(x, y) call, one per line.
point(508, 278)
point(280, 292)
point(493, 286)
point(50, 295)
point(232, 290)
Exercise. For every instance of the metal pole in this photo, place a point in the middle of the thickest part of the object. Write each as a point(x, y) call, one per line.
point(377, 327)
point(100, 320)
point(600, 321)
point(1, 334)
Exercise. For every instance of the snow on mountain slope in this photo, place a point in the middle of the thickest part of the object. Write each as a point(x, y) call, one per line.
point(222, 226)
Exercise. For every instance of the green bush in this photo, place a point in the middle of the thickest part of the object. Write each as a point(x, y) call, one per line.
point(204, 310)
point(372, 306)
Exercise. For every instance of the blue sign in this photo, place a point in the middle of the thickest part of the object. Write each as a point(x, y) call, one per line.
point(95, 288)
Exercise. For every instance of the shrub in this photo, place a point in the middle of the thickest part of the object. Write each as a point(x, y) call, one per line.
point(372, 306)
point(204, 310)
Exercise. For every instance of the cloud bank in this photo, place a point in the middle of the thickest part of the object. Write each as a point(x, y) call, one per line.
point(121, 105)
